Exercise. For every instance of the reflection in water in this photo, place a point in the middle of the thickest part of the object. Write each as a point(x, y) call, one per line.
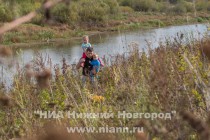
point(105, 44)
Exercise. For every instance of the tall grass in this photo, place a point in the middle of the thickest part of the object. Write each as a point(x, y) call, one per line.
point(168, 78)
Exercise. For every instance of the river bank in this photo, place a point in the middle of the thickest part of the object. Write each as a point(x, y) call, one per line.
point(31, 34)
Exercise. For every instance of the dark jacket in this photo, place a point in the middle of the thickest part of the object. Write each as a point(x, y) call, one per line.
point(87, 66)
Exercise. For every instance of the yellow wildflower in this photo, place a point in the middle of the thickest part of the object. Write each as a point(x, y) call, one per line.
point(97, 98)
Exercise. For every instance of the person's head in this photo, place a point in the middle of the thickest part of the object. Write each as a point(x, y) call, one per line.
point(85, 39)
point(95, 56)
point(89, 52)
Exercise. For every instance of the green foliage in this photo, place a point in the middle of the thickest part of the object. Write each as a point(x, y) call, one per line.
point(208, 6)
point(175, 6)
point(179, 8)
point(164, 7)
point(61, 13)
point(27, 7)
point(145, 5)
point(156, 22)
point(5, 13)
point(189, 6)
point(126, 3)
point(201, 5)
point(74, 13)
point(79, 32)
point(182, 7)
point(126, 9)
point(93, 10)
point(44, 98)
point(85, 11)
point(38, 19)
point(45, 35)
point(12, 37)
point(113, 6)
point(200, 19)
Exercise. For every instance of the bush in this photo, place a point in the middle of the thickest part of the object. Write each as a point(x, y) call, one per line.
point(38, 19)
point(126, 3)
point(5, 13)
point(208, 6)
point(141, 5)
point(74, 13)
point(113, 5)
point(93, 10)
point(200, 19)
point(85, 11)
point(27, 7)
point(164, 7)
point(126, 9)
point(11, 37)
point(45, 35)
point(144, 5)
point(179, 8)
point(201, 6)
point(61, 13)
point(156, 22)
point(189, 6)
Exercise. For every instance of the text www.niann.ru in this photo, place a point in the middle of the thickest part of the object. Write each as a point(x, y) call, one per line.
point(104, 129)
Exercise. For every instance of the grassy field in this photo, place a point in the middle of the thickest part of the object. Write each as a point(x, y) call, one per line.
point(171, 78)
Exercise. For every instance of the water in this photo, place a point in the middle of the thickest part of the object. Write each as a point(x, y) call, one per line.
point(105, 44)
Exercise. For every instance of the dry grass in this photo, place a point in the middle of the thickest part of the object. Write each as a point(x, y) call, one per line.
point(157, 81)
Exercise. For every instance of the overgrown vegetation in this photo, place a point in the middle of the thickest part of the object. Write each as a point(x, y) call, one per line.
point(172, 77)
point(93, 11)
point(74, 19)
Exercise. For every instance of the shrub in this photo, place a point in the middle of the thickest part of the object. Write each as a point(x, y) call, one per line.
point(156, 22)
point(74, 13)
point(144, 5)
point(113, 5)
point(61, 13)
point(141, 5)
point(126, 9)
point(5, 13)
point(200, 19)
point(189, 6)
point(125, 3)
point(11, 37)
point(38, 19)
point(27, 7)
point(201, 5)
point(93, 10)
point(164, 7)
point(179, 8)
point(208, 6)
point(45, 35)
